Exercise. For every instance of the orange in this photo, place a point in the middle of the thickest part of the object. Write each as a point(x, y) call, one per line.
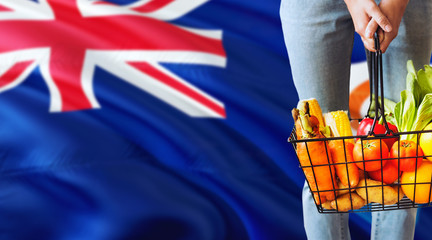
point(422, 186)
point(426, 142)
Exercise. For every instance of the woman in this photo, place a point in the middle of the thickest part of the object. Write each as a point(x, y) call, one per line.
point(319, 38)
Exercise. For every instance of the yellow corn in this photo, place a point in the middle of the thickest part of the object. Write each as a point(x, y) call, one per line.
point(315, 110)
point(339, 123)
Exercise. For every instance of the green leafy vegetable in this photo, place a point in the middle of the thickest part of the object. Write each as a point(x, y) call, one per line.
point(414, 111)
point(389, 106)
point(424, 113)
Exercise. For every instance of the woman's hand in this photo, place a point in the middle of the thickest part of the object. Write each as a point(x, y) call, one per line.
point(394, 10)
point(367, 16)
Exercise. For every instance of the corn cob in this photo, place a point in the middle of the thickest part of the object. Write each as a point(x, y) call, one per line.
point(314, 110)
point(339, 123)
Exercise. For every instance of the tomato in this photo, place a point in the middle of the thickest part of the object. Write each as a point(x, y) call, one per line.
point(389, 171)
point(406, 154)
point(366, 125)
point(373, 152)
point(391, 141)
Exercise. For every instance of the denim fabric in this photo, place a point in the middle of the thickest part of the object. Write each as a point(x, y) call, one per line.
point(395, 224)
point(319, 226)
point(391, 225)
point(319, 38)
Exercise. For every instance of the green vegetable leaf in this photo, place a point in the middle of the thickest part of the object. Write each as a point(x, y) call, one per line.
point(424, 113)
point(398, 111)
point(424, 79)
point(412, 85)
point(423, 116)
point(389, 106)
point(409, 111)
point(410, 81)
point(411, 68)
point(414, 111)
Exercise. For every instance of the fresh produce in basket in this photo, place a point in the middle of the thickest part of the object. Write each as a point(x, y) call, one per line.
point(366, 125)
point(418, 181)
point(389, 171)
point(370, 154)
point(348, 201)
point(327, 205)
point(342, 189)
point(344, 175)
point(313, 153)
point(339, 124)
point(408, 155)
point(343, 197)
point(375, 191)
point(414, 111)
point(425, 142)
point(314, 110)
point(342, 150)
point(342, 156)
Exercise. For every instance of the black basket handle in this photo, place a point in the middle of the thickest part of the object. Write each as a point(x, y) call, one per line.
point(376, 87)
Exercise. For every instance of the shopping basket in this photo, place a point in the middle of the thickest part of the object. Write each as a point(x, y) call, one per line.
point(374, 195)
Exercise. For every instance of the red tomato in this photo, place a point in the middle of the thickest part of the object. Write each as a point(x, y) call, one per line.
point(366, 125)
point(406, 154)
point(391, 141)
point(389, 171)
point(373, 152)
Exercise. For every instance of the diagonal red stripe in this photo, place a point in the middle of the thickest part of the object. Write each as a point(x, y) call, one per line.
point(14, 72)
point(4, 9)
point(153, 6)
point(146, 8)
point(104, 3)
point(171, 82)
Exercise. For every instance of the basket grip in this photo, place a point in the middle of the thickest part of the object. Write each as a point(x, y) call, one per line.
point(376, 87)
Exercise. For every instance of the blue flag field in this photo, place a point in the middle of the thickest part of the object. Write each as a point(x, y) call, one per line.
point(149, 119)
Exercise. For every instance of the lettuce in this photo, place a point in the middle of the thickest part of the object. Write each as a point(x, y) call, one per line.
point(414, 111)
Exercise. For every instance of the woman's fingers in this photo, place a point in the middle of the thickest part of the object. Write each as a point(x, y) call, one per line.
point(369, 42)
point(368, 18)
point(379, 17)
point(384, 45)
point(371, 28)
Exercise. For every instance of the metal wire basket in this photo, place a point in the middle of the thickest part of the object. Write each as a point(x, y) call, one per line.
point(376, 195)
point(402, 203)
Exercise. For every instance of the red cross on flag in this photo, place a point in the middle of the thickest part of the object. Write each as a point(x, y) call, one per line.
point(68, 39)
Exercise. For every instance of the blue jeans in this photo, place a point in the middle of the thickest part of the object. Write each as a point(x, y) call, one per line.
point(319, 38)
point(392, 225)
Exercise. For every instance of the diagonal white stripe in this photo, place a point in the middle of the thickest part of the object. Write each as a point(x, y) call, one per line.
point(172, 11)
point(25, 9)
point(147, 83)
point(7, 60)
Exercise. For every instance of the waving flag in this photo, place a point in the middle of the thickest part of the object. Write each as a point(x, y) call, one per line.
point(73, 37)
point(147, 119)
